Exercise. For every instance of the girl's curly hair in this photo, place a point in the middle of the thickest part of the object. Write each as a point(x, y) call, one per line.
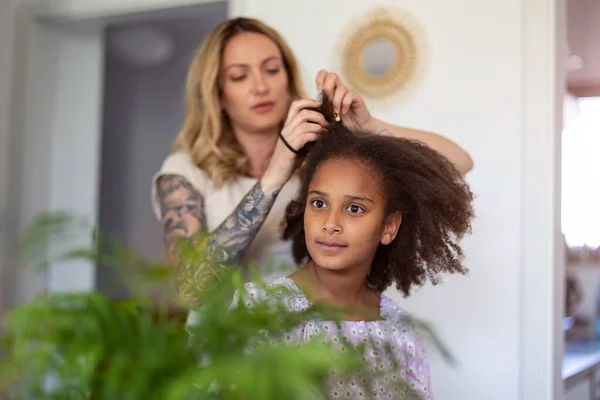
point(434, 199)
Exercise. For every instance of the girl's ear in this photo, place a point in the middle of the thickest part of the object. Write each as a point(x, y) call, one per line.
point(392, 224)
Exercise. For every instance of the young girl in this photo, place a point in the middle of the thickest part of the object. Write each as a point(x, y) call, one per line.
point(371, 211)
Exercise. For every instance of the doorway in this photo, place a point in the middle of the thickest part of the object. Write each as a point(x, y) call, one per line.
point(72, 54)
point(145, 68)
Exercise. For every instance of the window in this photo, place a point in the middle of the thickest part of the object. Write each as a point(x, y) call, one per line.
point(581, 177)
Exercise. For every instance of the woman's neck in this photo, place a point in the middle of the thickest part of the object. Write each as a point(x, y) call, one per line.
point(258, 147)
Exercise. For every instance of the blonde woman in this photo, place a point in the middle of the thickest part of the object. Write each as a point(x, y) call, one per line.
point(231, 173)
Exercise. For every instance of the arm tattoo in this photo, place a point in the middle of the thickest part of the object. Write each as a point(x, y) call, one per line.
point(183, 216)
point(182, 207)
point(233, 237)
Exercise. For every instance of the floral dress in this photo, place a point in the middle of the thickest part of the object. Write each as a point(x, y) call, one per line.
point(395, 361)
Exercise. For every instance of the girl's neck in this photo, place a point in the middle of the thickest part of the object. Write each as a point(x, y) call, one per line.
point(346, 289)
point(258, 147)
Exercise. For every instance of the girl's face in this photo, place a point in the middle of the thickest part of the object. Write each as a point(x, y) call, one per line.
point(254, 83)
point(344, 219)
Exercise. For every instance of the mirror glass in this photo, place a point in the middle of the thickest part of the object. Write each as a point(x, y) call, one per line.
point(378, 57)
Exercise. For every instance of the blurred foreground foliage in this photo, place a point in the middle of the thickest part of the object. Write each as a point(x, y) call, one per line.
point(82, 345)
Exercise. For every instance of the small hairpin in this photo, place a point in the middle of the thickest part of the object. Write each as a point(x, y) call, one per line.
point(320, 95)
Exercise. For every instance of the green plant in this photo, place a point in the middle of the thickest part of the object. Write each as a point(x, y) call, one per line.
point(83, 346)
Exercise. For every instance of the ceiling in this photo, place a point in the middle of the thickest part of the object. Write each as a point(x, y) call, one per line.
point(147, 42)
point(583, 35)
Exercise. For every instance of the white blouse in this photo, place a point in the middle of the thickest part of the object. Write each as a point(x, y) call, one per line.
point(268, 253)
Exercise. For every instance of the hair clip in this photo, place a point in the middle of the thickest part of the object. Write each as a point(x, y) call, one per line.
point(320, 96)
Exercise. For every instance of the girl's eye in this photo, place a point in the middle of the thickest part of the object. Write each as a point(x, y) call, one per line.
point(273, 71)
point(238, 78)
point(318, 203)
point(354, 209)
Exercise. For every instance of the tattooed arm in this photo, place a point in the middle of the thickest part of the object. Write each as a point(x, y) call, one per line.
point(183, 216)
point(461, 159)
point(355, 114)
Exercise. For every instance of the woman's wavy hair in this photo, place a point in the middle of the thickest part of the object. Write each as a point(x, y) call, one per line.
point(206, 134)
point(422, 184)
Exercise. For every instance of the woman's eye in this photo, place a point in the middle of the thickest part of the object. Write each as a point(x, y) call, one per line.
point(238, 78)
point(354, 209)
point(318, 203)
point(273, 71)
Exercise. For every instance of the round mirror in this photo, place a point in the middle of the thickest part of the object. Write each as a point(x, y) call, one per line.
point(379, 57)
point(382, 54)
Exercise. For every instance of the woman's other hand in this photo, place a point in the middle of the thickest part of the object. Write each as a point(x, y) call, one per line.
point(302, 126)
point(347, 104)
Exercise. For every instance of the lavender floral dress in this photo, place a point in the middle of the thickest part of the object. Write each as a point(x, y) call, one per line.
point(394, 353)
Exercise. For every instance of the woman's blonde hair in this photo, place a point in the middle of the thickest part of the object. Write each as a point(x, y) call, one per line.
point(206, 135)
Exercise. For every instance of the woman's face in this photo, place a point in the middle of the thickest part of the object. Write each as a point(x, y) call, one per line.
point(254, 83)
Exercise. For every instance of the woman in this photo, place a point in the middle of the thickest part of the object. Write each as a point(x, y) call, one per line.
point(232, 170)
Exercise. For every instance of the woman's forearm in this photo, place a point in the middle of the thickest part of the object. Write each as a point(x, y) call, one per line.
point(229, 242)
point(183, 217)
point(456, 154)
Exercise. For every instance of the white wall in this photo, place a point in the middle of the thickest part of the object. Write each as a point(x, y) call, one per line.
point(473, 93)
point(143, 111)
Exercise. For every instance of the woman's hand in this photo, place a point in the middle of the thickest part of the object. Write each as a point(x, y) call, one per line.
point(301, 127)
point(355, 115)
point(348, 105)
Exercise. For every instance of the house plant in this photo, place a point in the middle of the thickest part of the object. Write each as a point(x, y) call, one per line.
point(85, 346)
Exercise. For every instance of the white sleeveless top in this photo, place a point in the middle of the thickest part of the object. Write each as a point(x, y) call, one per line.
point(272, 256)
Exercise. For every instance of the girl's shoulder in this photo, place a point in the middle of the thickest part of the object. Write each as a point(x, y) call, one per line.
point(391, 310)
point(398, 318)
point(281, 291)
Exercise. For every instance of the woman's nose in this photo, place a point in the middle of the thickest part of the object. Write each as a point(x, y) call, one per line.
point(259, 83)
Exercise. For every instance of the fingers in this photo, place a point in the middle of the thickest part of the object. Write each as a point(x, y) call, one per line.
point(327, 81)
point(313, 116)
point(310, 128)
point(302, 127)
point(347, 101)
point(331, 84)
point(303, 124)
point(309, 122)
point(320, 80)
point(302, 134)
point(300, 141)
point(303, 115)
point(299, 105)
point(340, 93)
